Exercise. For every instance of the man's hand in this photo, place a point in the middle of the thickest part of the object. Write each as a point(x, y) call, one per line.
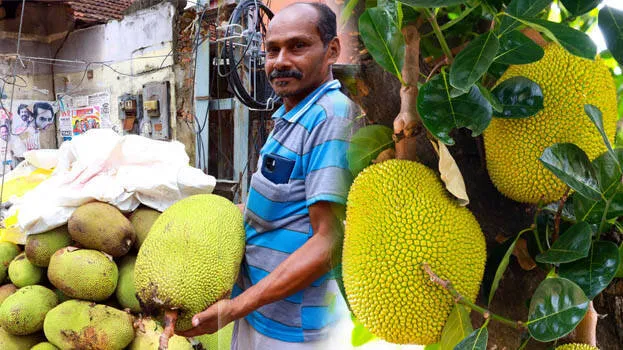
point(215, 317)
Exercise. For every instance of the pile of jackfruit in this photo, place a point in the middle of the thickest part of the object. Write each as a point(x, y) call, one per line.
point(94, 283)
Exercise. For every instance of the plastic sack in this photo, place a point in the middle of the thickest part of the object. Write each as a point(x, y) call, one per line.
point(124, 171)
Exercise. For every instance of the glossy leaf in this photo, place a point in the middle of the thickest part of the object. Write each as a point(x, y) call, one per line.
point(432, 3)
point(477, 340)
point(572, 245)
point(516, 48)
point(611, 25)
point(366, 144)
point(520, 98)
point(499, 273)
point(556, 308)
point(521, 8)
point(570, 164)
point(596, 271)
point(360, 334)
point(382, 37)
point(441, 113)
point(458, 326)
point(574, 41)
point(619, 273)
point(578, 7)
point(496, 105)
point(592, 211)
point(608, 173)
point(596, 117)
point(473, 61)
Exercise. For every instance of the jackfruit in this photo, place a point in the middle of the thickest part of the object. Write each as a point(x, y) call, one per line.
point(75, 323)
point(576, 347)
point(513, 146)
point(126, 292)
point(23, 312)
point(23, 273)
point(147, 337)
point(142, 219)
point(8, 252)
point(9, 341)
point(101, 226)
point(40, 247)
point(220, 340)
point(83, 273)
point(398, 218)
point(191, 257)
point(6, 290)
point(44, 346)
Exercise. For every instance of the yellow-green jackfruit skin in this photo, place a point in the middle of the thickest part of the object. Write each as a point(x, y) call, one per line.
point(40, 247)
point(6, 290)
point(44, 346)
point(101, 226)
point(8, 252)
point(576, 346)
point(23, 273)
point(9, 341)
point(83, 273)
point(513, 146)
point(398, 218)
point(191, 256)
point(142, 220)
point(220, 340)
point(147, 337)
point(126, 292)
point(23, 312)
point(76, 323)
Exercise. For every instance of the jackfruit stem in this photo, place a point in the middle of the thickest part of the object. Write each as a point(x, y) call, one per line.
point(170, 318)
point(458, 298)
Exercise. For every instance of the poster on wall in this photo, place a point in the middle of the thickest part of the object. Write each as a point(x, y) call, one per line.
point(65, 125)
point(84, 119)
point(26, 121)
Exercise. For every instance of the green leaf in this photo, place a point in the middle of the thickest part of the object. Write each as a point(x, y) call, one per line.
point(619, 273)
point(556, 308)
point(360, 334)
point(608, 173)
point(383, 39)
point(473, 61)
point(572, 245)
point(595, 272)
point(365, 146)
point(458, 326)
point(477, 340)
point(499, 273)
point(574, 41)
point(493, 101)
point(521, 8)
point(578, 7)
point(610, 23)
point(592, 211)
point(520, 98)
point(596, 117)
point(435, 346)
point(432, 3)
point(516, 48)
point(441, 113)
point(570, 164)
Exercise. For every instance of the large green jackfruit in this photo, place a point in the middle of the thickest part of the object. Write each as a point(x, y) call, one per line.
point(40, 247)
point(142, 219)
point(147, 337)
point(126, 292)
point(513, 146)
point(23, 312)
point(400, 217)
point(576, 346)
point(9, 341)
point(191, 256)
point(8, 252)
point(23, 273)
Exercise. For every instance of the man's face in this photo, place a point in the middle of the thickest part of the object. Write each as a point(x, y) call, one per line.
point(296, 60)
point(25, 114)
point(44, 118)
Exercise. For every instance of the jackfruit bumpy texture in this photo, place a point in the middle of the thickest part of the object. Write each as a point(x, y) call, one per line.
point(399, 216)
point(576, 347)
point(513, 146)
point(191, 257)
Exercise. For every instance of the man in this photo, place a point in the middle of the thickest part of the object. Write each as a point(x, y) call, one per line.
point(26, 119)
point(44, 115)
point(295, 207)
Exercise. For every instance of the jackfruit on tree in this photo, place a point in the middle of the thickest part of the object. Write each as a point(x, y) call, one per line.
point(513, 146)
point(576, 346)
point(398, 218)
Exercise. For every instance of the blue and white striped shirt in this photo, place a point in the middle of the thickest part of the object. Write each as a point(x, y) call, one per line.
point(313, 138)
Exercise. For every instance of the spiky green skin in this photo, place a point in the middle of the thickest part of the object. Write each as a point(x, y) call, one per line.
point(40, 247)
point(126, 292)
point(6, 290)
point(576, 346)
point(23, 273)
point(23, 312)
point(143, 219)
point(103, 227)
point(83, 273)
point(8, 252)
point(147, 337)
point(44, 346)
point(9, 341)
point(191, 256)
point(75, 323)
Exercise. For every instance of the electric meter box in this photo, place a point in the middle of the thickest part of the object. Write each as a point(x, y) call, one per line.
point(155, 121)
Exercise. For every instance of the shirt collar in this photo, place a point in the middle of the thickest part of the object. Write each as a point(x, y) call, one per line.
point(295, 113)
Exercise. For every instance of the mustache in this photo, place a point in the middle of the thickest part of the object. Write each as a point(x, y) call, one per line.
point(285, 74)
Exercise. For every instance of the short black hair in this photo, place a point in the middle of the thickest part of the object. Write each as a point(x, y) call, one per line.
point(42, 105)
point(21, 106)
point(327, 23)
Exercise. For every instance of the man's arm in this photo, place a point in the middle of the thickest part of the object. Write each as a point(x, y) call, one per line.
point(305, 265)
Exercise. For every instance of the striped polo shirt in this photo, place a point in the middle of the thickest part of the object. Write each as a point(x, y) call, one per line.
point(307, 155)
